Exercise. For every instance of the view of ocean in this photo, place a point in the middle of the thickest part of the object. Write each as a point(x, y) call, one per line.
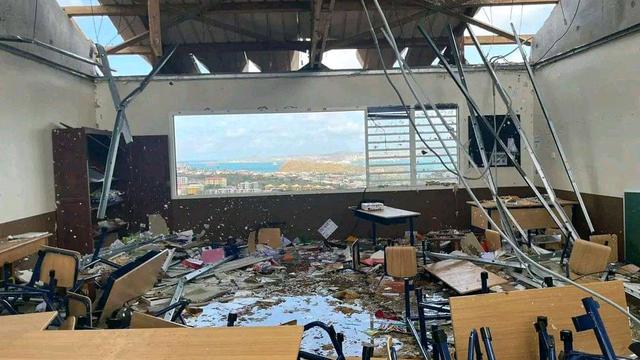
point(260, 167)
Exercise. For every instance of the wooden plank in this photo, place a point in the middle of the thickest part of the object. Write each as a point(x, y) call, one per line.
point(133, 284)
point(27, 322)
point(13, 250)
point(144, 321)
point(246, 343)
point(462, 276)
point(494, 240)
point(588, 258)
point(511, 315)
point(270, 237)
point(401, 261)
point(155, 30)
point(610, 240)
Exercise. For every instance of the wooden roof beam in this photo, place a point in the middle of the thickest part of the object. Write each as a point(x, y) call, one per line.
point(244, 7)
point(274, 45)
point(321, 21)
point(155, 29)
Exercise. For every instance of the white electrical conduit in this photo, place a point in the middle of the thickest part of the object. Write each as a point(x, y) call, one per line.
point(520, 254)
point(499, 202)
point(525, 140)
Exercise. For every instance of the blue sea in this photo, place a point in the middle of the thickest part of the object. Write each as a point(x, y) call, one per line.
point(261, 167)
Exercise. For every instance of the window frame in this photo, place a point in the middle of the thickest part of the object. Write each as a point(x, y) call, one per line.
point(413, 139)
point(172, 151)
point(417, 187)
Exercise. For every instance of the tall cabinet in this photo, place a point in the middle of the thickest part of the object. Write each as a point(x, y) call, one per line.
point(79, 156)
point(141, 180)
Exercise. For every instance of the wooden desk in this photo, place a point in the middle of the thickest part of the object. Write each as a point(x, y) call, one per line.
point(387, 216)
point(529, 214)
point(14, 250)
point(28, 322)
point(238, 343)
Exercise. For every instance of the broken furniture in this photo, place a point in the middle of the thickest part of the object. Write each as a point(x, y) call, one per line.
point(588, 258)
point(510, 316)
point(249, 343)
point(610, 240)
point(27, 322)
point(401, 262)
point(14, 250)
point(387, 216)
point(589, 321)
point(463, 276)
point(474, 351)
point(128, 282)
point(336, 340)
point(529, 213)
point(79, 156)
point(54, 274)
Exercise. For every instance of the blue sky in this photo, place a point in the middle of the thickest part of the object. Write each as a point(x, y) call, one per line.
point(528, 19)
point(260, 137)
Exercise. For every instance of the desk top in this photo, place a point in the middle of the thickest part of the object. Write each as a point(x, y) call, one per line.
point(26, 322)
point(388, 212)
point(238, 343)
point(12, 250)
point(521, 203)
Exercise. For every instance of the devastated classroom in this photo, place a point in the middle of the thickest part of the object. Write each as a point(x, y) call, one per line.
point(320, 179)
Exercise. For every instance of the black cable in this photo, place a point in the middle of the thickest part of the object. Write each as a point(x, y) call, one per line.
point(565, 32)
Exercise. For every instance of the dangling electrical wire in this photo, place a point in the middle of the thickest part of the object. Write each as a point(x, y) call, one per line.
point(524, 258)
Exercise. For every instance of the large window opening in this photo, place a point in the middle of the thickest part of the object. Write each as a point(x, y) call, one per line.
point(269, 153)
point(397, 156)
point(331, 151)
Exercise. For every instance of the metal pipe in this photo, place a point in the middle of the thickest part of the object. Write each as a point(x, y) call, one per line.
point(476, 130)
point(525, 140)
point(493, 131)
point(121, 126)
point(25, 40)
point(509, 264)
point(554, 133)
point(524, 258)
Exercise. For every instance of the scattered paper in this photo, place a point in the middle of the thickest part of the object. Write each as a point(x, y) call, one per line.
point(328, 228)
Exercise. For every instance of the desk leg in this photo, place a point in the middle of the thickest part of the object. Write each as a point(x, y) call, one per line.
point(7, 272)
point(412, 239)
point(373, 234)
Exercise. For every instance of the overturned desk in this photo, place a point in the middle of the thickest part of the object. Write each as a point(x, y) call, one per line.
point(387, 216)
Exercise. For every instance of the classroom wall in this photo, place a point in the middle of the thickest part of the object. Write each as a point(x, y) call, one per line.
point(34, 99)
point(151, 112)
point(592, 97)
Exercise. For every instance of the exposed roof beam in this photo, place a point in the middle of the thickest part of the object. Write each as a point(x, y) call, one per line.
point(392, 24)
point(178, 19)
point(244, 7)
point(155, 30)
point(476, 22)
point(477, 3)
point(321, 21)
point(304, 45)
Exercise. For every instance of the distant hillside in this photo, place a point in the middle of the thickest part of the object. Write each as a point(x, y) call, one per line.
point(319, 167)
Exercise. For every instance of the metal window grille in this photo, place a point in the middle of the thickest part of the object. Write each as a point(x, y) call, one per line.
point(394, 153)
